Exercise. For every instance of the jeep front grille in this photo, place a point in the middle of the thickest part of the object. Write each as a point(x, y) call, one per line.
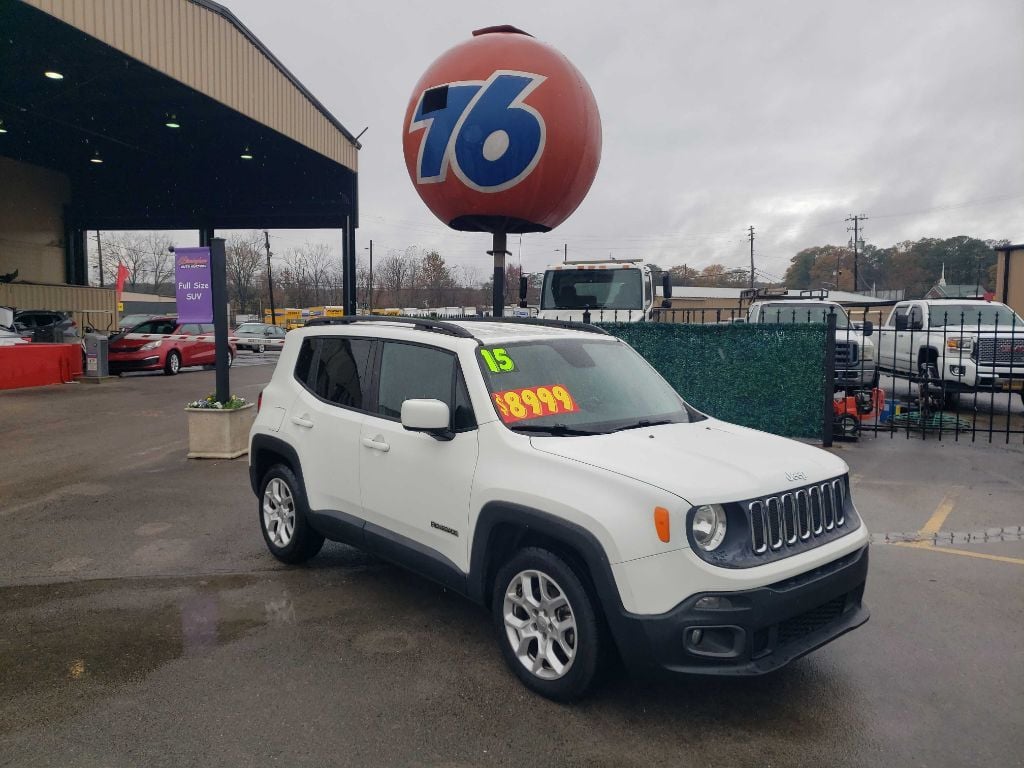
point(792, 518)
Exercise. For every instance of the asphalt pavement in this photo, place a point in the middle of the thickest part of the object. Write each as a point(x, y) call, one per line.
point(142, 622)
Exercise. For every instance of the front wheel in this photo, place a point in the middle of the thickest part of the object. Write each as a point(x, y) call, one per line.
point(173, 364)
point(546, 624)
point(284, 518)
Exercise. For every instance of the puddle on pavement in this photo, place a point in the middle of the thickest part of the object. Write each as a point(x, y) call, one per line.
point(63, 645)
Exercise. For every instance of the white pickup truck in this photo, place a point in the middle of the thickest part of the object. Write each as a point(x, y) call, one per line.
point(604, 291)
point(972, 344)
point(855, 352)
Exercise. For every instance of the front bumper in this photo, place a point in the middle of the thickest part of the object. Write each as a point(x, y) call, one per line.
point(149, 363)
point(859, 376)
point(765, 629)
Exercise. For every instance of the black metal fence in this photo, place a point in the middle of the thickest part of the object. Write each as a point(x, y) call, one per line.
point(932, 370)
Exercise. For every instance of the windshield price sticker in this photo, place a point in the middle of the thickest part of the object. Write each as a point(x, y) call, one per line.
point(497, 360)
point(534, 402)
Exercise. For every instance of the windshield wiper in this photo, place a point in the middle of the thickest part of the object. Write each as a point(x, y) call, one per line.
point(556, 430)
point(643, 423)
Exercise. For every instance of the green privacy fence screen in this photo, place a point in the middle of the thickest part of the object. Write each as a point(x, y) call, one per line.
point(768, 377)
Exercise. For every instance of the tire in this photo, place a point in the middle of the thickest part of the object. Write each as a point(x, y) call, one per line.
point(849, 426)
point(173, 363)
point(524, 626)
point(283, 516)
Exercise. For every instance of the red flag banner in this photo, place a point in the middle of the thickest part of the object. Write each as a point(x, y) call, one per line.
point(122, 275)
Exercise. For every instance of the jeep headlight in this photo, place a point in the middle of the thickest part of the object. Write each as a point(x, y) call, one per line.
point(708, 526)
point(152, 345)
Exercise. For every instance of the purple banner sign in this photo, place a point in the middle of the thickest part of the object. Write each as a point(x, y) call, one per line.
point(192, 278)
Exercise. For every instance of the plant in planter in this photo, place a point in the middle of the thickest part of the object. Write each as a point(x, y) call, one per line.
point(219, 430)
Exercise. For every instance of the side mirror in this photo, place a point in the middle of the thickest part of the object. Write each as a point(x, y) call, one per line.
point(666, 285)
point(868, 328)
point(523, 288)
point(430, 416)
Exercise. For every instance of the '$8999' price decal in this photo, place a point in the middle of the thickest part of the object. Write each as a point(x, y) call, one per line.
point(534, 402)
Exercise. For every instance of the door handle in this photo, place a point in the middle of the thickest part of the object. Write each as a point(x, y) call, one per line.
point(377, 444)
point(302, 421)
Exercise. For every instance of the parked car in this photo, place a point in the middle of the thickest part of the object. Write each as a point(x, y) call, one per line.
point(551, 475)
point(964, 345)
point(259, 333)
point(130, 321)
point(855, 364)
point(9, 337)
point(169, 355)
point(42, 323)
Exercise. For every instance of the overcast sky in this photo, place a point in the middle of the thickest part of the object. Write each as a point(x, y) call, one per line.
point(787, 116)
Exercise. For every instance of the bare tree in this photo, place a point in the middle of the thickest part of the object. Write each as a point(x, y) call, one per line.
point(317, 261)
point(160, 261)
point(393, 275)
point(245, 258)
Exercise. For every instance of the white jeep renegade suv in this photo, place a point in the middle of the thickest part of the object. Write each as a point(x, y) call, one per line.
point(547, 472)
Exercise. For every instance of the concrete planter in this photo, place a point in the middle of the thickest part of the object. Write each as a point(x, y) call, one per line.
point(219, 434)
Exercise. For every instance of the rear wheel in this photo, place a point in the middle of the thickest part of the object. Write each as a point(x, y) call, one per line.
point(173, 364)
point(547, 625)
point(284, 518)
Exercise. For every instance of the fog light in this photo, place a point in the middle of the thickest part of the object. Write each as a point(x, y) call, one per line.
point(696, 636)
point(957, 370)
point(713, 603)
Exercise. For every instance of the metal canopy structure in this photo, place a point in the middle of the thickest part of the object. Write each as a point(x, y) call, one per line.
point(252, 147)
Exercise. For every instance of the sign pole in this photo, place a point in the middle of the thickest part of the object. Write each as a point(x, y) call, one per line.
point(498, 251)
point(219, 288)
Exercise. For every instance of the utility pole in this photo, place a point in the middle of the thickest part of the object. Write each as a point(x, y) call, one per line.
point(369, 300)
point(751, 236)
point(270, 279)
point(856, 243)
point(99, 250)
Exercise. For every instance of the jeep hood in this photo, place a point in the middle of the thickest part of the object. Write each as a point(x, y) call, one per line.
point(704, 462)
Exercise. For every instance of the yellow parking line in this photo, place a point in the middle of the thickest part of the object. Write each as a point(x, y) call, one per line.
point(938, 518)
point(931, 548)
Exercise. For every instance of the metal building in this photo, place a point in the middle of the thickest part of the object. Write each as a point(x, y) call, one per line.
point(155, 114)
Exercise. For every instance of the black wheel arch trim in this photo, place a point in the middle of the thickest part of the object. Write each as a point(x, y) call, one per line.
point(628, 635)
point(262, 444)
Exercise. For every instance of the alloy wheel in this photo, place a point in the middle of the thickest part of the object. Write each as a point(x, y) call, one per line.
point(540, 624)
point(279, 512)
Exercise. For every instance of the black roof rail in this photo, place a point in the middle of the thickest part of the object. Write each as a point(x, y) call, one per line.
point(566, 324)
point(424, 323)
point(814, 293)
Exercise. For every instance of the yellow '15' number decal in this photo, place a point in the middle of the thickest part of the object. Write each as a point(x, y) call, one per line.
point(534, 402)
point(497, 360)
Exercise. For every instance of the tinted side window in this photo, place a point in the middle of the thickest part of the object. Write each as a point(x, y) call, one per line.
point(192, 329)
point(410, 372)
point(304, 363)
point(462, 415)
point(342, 370)
point(207, 329)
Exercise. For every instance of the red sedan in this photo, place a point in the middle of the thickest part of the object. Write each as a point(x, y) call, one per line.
point(168, 355)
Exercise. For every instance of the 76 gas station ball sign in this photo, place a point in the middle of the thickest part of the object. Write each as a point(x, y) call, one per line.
point(502, 133)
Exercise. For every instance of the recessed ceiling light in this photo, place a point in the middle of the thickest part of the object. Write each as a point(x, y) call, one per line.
point(53, 74)
point(3, 127)
point(96, 157)
point(246, 154)
point(172, 122)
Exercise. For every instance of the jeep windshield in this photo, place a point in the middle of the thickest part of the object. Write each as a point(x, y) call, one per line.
point(573, 387)
point(613, 288)
point(942, 315)
point(792, 314)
